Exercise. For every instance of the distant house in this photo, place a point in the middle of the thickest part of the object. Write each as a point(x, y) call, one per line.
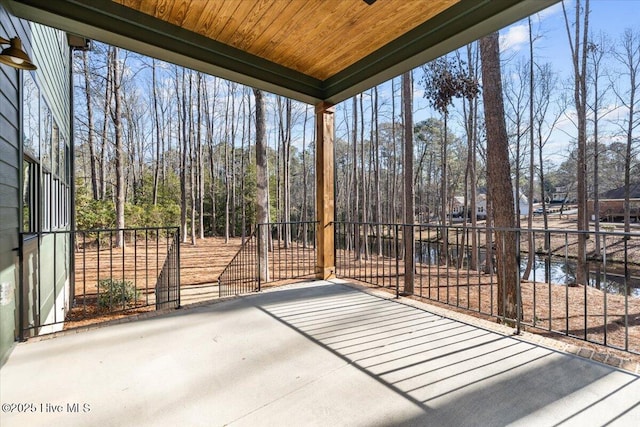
point(611, 204)
point(618, 193)
point(560, 195)
point(481, 206)
point(457, 208)
point(523, 203)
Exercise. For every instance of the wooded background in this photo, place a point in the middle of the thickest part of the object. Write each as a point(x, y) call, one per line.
point(157, 144)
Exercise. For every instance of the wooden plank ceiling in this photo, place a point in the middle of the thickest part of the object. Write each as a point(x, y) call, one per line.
point(310, 50)
point(316, 37)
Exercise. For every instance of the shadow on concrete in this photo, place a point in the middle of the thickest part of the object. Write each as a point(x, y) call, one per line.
point(457, 373)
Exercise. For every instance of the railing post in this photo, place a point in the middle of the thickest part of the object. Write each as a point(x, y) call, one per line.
point(21, 285)
point(409, 265)
point(518, 285)
point(177, 243)
point(397, 261)
point(259, 250)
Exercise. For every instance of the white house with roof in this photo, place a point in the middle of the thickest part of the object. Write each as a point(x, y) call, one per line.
point(481, 205)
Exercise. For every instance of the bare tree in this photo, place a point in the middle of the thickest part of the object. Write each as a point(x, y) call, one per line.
point(628, 55)
point(579, 48)
point(363, 181)
point(446, 79)
point(532, 163)
point(407, 236)
point(116, 117)
point(303, 213)
point(262, 200)
point(597, 50)
point(227, 164)
point(156, 115)
point(543, 123)
point(470, 117)
point(199, 157)
point(209, 111)
point(90, 126)
point(284, 126)
point(375, 140)
point(354, 180)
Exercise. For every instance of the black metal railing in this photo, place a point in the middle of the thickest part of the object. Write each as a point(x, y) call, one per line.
point(241, 276)
point(371, 253)
point(287, 251)
point(167, 289)
point(114, 272)
point(456, 266)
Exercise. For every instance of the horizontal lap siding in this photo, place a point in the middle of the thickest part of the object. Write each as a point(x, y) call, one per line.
point(48, 50)
point(50, 53)
point(9, 189)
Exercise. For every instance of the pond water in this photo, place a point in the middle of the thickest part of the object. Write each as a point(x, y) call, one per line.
point(554, 269)
point(557, 270)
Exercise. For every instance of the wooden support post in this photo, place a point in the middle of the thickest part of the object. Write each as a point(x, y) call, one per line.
point(326, 263)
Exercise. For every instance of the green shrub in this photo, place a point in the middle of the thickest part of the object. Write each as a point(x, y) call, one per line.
point(114, 293)
point(94, 214)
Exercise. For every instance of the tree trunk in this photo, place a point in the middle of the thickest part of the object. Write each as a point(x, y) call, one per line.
point(227, 180)
point(392, 214)
point(363, 182)
point(303, 215)
point(200, 162)
point(192, 162)
point(90, 131)
point(262, 200)
point(182, 120)
point(286, 174)
point(354, 180)
point(108, 95)
point(117, 123)
point(472, 124)
point(378, 196)
point(578, 47)
point(156, 115)
point(210, 121)
point(444, 256)
point(407, 236)
point(499, 178)
point(530, 242)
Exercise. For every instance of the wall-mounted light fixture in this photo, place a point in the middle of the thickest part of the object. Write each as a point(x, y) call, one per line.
point(14, 56)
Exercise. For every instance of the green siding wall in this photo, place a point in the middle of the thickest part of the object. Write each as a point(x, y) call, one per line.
point(51, 54)
point(9, 191)
point(49, 51)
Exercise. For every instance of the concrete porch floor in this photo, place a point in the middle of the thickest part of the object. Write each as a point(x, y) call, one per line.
point(316, 353)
